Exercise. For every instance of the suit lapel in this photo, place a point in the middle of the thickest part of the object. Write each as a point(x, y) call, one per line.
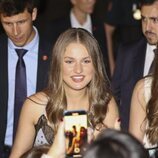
point(4, 69)
point(3, 86)
point(139, 60)
point(43, 64)
point(94, 26)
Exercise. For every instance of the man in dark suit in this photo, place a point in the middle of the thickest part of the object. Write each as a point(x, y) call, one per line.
point(81, 16)
point(134, 60)
point(122, 24)
point(17, 20)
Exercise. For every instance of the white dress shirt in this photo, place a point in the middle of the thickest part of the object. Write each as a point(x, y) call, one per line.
point(75, 24)
point(31, 61)
point(148, 58)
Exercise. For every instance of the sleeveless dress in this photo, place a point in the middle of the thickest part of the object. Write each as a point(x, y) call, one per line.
point(147, 93)
point(44, 133)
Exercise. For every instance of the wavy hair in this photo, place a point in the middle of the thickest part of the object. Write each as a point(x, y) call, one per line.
point(99, 90)
point(152, 106)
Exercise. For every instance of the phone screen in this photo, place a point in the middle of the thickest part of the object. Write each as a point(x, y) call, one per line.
point(75, 132)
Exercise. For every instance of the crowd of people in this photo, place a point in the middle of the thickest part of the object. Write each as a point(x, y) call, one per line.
point(71, 66)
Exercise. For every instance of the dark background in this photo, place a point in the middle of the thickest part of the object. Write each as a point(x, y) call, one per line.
point(49, 10)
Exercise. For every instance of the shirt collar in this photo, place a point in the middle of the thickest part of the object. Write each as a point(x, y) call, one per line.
point(151, 47)
point(74, 22)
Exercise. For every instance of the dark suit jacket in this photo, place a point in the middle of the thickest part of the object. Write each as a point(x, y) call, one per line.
point(43, 66)
point(56, 27)
point(129, 69)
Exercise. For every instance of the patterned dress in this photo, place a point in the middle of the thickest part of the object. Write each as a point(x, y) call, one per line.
point(44, 133)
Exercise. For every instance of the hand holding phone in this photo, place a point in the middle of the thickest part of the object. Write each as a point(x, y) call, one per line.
point(75, 132)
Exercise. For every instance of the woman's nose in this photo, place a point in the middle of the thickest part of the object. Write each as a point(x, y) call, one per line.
point(78, 68)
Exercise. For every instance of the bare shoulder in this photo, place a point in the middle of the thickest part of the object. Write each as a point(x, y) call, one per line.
point(38, 98)
point(140, 85)
point(37, 101)
point(34, 106)
point(139, 88)
point(139, 92)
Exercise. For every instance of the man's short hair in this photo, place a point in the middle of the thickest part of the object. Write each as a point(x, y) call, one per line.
point(13, 7)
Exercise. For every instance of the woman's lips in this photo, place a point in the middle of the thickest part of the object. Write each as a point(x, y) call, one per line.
point(78, 78)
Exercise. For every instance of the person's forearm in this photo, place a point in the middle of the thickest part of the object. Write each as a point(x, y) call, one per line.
point(57, 149)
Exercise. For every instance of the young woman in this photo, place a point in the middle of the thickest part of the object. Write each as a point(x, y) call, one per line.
point(77, 80)
point(144, 105)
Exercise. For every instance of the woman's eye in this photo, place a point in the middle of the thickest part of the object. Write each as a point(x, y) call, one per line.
point(87, 61)
point(68, 61)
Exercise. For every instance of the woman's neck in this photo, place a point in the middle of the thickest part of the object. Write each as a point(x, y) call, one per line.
point(77, 100)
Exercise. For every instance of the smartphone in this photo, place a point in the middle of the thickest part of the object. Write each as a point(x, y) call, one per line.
point(75, 132)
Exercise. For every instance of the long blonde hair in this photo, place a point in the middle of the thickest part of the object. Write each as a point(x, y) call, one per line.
point(98, 89)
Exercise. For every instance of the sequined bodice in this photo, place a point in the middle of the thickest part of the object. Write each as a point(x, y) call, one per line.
point(44, 133)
